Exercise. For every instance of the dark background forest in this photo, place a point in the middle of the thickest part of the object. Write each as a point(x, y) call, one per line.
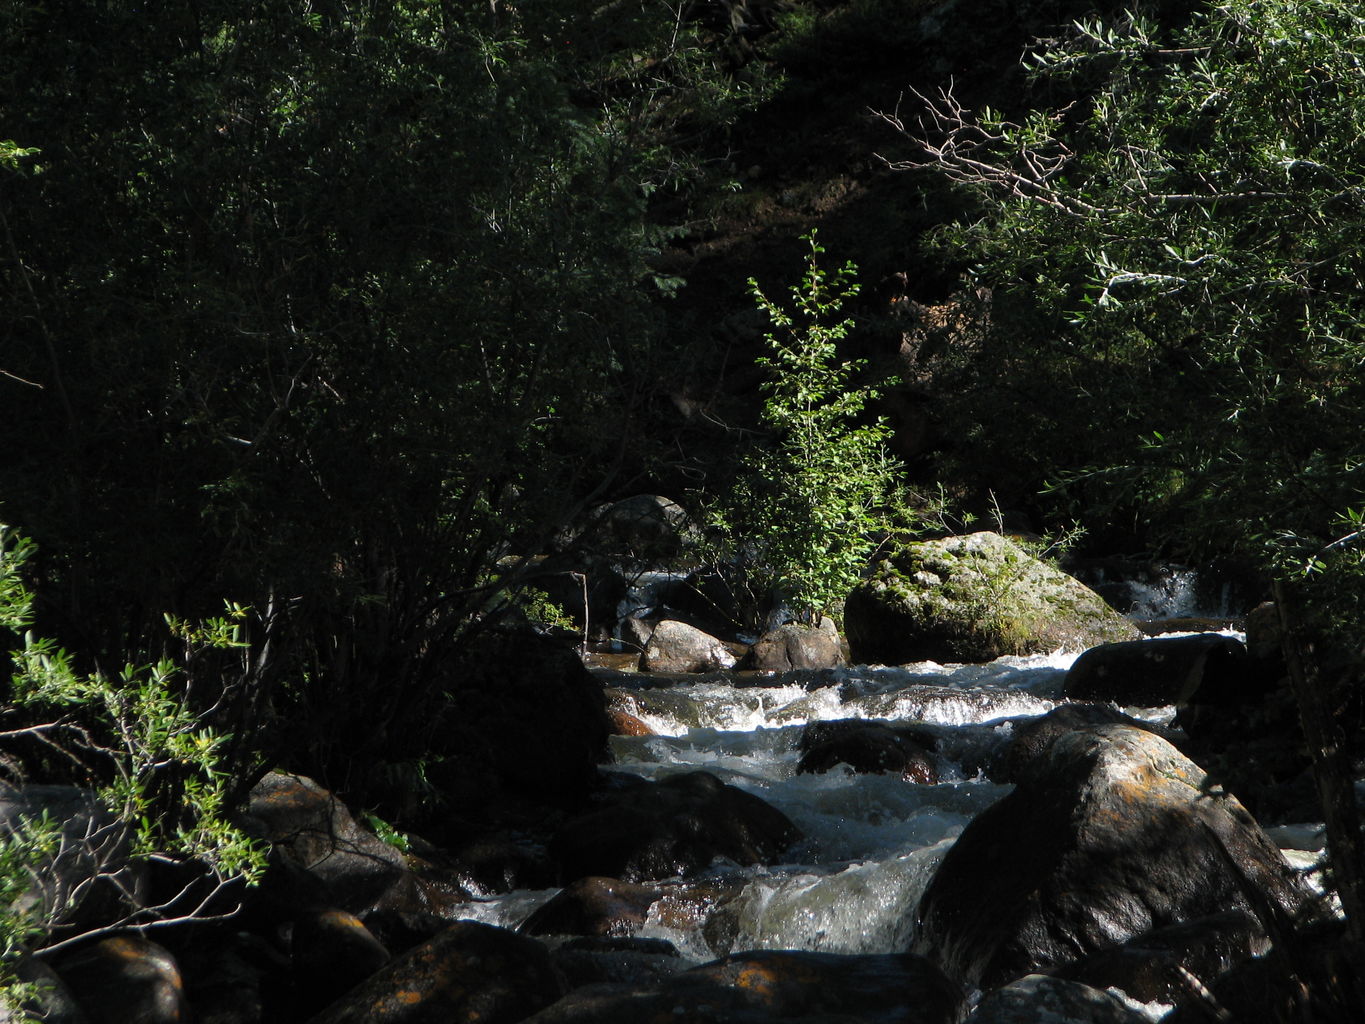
point(343, 315)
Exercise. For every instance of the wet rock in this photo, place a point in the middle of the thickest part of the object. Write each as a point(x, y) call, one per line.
point(674, 827)
point(635, 632)
point(973, 598)
point(469, 972)
point(677, 647)
point(1151, 673)
point(794, 646)
point(872, 988)
point(865, 746)
point(624, 712)
point(492, 862)
point(1265, 633)
point(321, 856)
point(593, 906)
point(332, 951)
point(1040, 998)
point(631, 961)
point(1034, 736)
point(1149, 967)
point(775, 985)
point(1312, 974)
point(1109, 833)
point(126, 980)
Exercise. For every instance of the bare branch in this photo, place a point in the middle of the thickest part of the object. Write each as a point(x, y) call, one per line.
point(957, 145)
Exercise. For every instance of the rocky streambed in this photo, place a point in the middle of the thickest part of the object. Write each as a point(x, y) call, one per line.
point(1060, 836)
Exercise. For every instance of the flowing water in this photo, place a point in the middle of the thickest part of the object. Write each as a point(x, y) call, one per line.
point(871, 842)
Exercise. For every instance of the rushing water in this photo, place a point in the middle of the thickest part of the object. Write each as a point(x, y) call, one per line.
point(871, 842)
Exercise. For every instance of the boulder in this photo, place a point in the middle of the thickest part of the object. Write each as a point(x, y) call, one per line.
point(320, 856)
point(794, 646)
point(1109, 833)
point(490, 862)
point(240, 979)
point(866, 747)
point(775, 985)
point(1163, 670)
point(471, 971)
point(592, 960)
point(593, 906)
point(522, 735)
point(331, 951)
point(653, 830)
point(1150, 968)
point(126, 979)
point(973, 598)
point(48, 1000)
point(1033, 736)
point(624, 712)
point(1038, 997)
point(677, 647)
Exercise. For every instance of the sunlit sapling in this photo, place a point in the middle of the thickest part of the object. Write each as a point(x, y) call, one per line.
point(816, 494)
point(163, 797)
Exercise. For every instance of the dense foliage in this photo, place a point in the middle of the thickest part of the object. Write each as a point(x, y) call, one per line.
point(323, 309)
point(1176, 257)
point(155, 771)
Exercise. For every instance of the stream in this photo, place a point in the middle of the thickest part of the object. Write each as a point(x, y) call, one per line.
point(871, 842)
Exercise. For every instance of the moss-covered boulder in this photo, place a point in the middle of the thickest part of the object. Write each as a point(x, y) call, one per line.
point(973, 598)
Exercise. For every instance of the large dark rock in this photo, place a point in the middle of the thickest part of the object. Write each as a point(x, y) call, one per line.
point(973, 598)
point(1151, 967)
point(1039, 998)
point(126, 979)
point(1109, 833)
point(321, 856)
point(48, 999)
point(523, 734)
point(644, 529)
point(593, 906)
point(332, 951)
point(675, 827)
point(775, 985)
point(678, 647)
point(1033, 736)
point(1163, 670)
point(470, 972)
point(866, 746)
point(593, 960)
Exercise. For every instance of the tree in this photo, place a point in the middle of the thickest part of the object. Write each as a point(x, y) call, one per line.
point(815, 496)
point(1178, 254)
point(324, 309)
point(152, 790)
